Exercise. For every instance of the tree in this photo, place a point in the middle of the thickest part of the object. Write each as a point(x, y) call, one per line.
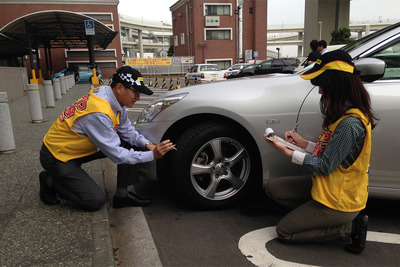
point(341, 36)
point(171, 51)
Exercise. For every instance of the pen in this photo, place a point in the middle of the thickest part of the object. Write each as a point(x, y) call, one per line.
point(295, 127)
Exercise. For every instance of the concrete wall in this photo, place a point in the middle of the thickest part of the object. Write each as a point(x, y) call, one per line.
point(13, 81)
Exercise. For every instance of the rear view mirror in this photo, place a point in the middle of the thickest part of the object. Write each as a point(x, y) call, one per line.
point(371, 69)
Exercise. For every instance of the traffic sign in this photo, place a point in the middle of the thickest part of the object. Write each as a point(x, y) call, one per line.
point(255, 53)
point(89, 27)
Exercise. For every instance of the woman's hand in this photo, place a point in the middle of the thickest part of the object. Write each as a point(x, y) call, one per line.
point(278, 146)
point(296, 139)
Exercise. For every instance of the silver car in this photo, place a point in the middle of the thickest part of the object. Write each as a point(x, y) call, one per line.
point(218, 128)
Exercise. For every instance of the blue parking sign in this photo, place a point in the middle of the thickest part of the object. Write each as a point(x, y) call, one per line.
point(255, 53)
point(89, 27)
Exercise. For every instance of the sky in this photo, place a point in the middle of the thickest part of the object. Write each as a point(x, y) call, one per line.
point(286, 12)
point(280, 13)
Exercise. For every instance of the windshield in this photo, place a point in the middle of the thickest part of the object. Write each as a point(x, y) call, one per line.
point(209, 67)
point(353, 45)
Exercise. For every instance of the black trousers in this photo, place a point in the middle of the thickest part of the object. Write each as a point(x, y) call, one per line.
point(72, 183)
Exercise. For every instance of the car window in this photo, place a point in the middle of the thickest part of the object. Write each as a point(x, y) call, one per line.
point(236, 67)
point(391, 55)
point(209, 67)
point(265, 65)
point(277, 64)
point(248, 67)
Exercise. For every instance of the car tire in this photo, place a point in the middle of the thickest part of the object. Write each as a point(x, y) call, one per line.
point(213, 167)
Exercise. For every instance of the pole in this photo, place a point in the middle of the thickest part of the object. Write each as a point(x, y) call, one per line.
point(320, 30)
point(7, 142)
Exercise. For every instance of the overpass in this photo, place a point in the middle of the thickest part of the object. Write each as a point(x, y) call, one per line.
point(295, 35)
point(144, 36)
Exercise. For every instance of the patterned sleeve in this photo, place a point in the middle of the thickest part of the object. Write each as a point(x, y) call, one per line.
point(344, 147)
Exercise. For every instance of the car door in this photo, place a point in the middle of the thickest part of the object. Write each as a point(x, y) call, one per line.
point(385, 98)
point(190, 75)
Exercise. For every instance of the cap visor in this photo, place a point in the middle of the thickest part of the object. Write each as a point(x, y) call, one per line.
point(143, 89)
point(311, 75)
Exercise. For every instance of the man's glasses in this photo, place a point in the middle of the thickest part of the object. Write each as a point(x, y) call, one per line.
point(136, 92)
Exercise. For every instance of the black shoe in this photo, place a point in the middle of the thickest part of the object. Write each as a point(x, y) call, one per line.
point(358, 234)
point(47, 194)
point(131, 200)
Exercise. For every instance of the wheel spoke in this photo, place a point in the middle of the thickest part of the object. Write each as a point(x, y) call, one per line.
point(216, 147)
point(200, 169)
point(240, 155)
point(235, 181)
point(212, 188)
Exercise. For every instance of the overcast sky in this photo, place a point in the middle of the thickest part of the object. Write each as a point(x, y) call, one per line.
point(286, 12)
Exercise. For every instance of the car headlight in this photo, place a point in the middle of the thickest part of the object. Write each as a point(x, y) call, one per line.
point(159, 105)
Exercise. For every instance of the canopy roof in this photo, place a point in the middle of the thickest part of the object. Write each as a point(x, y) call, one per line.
point(10, 47)
point(54, 29)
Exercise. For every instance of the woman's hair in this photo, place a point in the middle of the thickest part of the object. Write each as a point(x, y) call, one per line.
point(340, 92)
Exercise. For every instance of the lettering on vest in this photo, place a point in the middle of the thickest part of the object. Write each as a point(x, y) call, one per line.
point(70, 111)
point(322, 142)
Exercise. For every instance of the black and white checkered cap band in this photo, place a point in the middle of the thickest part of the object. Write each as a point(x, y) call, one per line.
point(128, 77)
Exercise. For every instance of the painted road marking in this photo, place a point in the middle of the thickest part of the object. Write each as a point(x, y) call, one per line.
point(252, 245)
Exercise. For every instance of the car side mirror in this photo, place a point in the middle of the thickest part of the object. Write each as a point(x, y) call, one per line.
point(371, 69)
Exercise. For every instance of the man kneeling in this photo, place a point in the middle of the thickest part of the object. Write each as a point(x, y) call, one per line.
point(93, 127)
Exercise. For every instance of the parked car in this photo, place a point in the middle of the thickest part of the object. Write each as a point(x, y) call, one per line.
point(235, 69)
point(205, 72)
point(277, 65)
point(85, 74)
point(218, 130)
point(64, 72)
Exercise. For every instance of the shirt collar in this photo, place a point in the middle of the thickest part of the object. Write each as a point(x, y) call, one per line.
point(107, 93)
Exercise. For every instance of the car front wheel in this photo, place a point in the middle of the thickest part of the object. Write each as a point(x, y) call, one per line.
point(212, 167)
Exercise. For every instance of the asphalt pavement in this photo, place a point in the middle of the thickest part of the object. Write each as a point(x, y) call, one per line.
point(32, 233)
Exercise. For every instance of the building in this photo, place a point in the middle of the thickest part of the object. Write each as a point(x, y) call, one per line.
point(104, 11)
point(224, 32)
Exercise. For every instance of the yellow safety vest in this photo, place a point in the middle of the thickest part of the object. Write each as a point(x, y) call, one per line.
point(344, 189)
point(66, 144)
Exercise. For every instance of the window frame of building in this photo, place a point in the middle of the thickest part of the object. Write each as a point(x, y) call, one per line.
point(206, 9)
point(215, 30)
point(227, 62)
point(182, 38)
point(176, 40)
point(93, 15)
point(98, 62)
point(83, 50)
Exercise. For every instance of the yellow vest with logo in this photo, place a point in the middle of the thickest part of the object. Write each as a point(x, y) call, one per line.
point(63, 142)
point(344, 189)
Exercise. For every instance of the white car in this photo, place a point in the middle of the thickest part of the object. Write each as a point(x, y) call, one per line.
point(218, 128)
point(205, 72)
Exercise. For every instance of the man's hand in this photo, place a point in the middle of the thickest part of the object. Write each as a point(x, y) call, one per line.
point(160, 149)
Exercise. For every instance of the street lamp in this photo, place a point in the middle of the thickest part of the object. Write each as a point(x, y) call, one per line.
point(278, 50)
point(162, 29)
point(320, 30)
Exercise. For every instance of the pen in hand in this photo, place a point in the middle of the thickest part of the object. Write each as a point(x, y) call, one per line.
point(295, 127)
